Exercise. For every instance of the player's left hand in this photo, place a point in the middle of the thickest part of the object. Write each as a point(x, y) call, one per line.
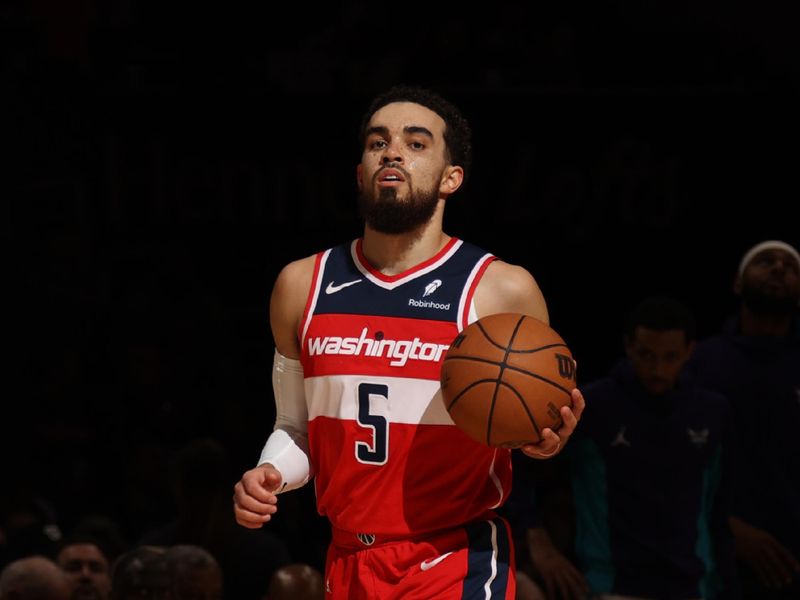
point(552, 443)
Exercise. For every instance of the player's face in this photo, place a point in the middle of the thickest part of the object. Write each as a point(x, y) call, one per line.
point(87, 570)
point(404, 171)
point(771, 282)
point(658, 357)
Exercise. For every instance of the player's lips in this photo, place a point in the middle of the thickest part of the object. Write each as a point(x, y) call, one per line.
point(390, 177)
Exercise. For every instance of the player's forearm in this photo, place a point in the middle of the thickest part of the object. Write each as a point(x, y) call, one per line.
point(287, 446)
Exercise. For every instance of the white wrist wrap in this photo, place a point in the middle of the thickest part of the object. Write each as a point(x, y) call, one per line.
point(287, 447)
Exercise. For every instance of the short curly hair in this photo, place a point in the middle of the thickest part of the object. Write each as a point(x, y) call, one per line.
point(457, 132)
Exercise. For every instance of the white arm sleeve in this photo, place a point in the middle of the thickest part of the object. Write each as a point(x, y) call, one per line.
point(287, 446)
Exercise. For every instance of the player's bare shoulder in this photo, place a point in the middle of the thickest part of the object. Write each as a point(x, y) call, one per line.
point(509, 288)
point(288, 301)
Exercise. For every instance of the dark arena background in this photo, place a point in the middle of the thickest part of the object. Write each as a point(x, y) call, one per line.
point(163, 161)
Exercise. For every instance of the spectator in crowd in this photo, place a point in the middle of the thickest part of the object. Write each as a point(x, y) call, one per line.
point(33, 578)
point(141, 572)
point(87, 566)
point(201, 484)
point(296, 582)
point(194, 573)
point(650, 476)
point(755, 362)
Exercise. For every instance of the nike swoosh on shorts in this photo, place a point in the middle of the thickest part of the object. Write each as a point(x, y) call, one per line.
point(429, 564)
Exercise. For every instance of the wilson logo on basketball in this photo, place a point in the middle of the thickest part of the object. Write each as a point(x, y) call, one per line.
point(400, 351)
point(566, 366)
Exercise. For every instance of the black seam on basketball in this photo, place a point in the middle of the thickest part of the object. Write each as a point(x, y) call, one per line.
point(491, 412)
point(510, 351)
point(500, 379)
point(531, 351)
point(486, 335)
point(466, 389)
point(539, 377)
point(476, 359)
point(525, 406)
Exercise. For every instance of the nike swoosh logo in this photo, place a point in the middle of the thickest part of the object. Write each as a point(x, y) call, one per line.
point(332, 289)
point(429, 564)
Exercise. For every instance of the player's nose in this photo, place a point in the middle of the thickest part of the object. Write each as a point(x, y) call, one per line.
point(391, 154)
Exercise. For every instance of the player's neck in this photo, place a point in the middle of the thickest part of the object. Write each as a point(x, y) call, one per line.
point(764, 325)
point(395, 253)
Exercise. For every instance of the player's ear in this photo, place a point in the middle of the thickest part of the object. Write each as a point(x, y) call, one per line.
point(452, 178)
point(360, 176)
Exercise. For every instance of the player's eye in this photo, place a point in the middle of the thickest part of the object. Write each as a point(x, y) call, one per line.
point(377, 144)
point(417, 145)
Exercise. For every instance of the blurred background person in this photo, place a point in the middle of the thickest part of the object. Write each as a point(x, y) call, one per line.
point(649, 476)
point(755, 362)
point(201, 481)
point(87, 566)
point(296, 581)
point(141, 572)
point(33, 578)
point(194, 573)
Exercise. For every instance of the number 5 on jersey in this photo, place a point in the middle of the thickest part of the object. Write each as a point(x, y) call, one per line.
point(370, 396)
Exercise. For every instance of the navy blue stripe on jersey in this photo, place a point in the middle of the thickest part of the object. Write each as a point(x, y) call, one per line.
point(344, 289)
point(488, 560)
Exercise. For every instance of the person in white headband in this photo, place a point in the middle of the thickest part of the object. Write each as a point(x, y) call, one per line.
point(755, 363)
point(767, 245)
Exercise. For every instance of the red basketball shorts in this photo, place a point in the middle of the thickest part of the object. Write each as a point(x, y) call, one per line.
point(474, 562)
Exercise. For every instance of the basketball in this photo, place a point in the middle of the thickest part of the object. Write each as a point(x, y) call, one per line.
point(505, 378)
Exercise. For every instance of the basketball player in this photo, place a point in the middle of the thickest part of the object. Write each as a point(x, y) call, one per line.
point(360, 332)
point(755, 362)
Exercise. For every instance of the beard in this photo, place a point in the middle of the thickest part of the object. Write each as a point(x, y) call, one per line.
point(767, 304)
point(386, 213)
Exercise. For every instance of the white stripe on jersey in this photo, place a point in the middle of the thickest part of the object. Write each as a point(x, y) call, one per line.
point(470, 280)
point(487, 588)
point(496, 482)
point(316, 286)
point(473, 312)
point(390, 285)
point(410, 401)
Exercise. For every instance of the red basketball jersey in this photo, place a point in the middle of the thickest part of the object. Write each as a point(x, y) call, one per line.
point(389, 463)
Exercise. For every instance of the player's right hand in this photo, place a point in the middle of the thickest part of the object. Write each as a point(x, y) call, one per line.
point(774, 564)
point(254, 500)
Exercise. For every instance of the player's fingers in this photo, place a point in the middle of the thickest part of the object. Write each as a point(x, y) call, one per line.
point(247, 502)
point(250, 520)
point(570, 422)
point(272, 479)
point(578, 403)
point(256, 485)
point(548, 446)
